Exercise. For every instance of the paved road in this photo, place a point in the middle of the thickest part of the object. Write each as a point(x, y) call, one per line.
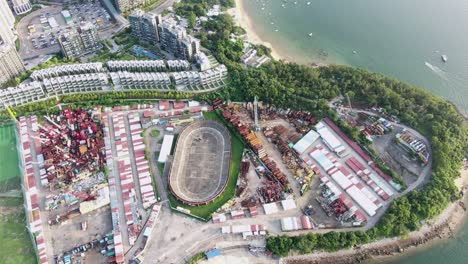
point(136, 181)
point(122, 220)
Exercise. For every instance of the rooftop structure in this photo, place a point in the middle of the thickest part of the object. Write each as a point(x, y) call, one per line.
point(200, 170)
point(306, 141)
point(330, 140)
point(166, 148)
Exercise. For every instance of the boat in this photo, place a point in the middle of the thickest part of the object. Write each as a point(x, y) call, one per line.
point(444, 58)
point(354, 52)
point(308, 3)
point(310, 34)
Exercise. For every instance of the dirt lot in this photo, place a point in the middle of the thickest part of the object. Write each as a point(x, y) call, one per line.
point(395, 156)
point(69, 235)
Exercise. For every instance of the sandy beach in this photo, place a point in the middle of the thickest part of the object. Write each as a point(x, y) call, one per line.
point(443, 226)
point(246, 23)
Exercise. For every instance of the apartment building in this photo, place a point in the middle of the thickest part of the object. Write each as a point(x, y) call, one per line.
point(21, 6)
point(67, 69)
point(174, 39)
point(124, 80)
point(145, 26)
point(11, 65)
point(7, 23)
point(22, 94)
point(90, 82)
point(79, 42)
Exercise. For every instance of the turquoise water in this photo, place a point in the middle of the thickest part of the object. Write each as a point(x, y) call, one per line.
point(392, 37)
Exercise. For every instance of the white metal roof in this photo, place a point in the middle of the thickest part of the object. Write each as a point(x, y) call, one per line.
point(288, 204)
point(367, 205)
point(306, 141)
point(165, 148)
point(270, 208)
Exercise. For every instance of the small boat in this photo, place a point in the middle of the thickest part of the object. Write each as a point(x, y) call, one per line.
point(276, 30)
point(310, 34)
point(444, 58)
point(354, 52)
point(308, 3)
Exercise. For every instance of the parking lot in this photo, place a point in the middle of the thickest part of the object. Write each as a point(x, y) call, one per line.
point(38, 31)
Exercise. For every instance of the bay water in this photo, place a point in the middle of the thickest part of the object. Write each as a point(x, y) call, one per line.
point(404, 39)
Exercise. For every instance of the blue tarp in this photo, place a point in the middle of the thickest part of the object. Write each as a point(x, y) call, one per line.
point(213, 253)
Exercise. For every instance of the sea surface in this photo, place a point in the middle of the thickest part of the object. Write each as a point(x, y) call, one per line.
point(400, 38)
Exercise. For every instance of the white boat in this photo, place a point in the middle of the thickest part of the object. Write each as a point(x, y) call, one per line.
point(444, 58)
point(310, 34)
point(354, 52)
point(308, 3)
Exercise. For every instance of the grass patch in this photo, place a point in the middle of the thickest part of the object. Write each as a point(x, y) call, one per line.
point(155, 133)
point(16, 243)
point(205, 211)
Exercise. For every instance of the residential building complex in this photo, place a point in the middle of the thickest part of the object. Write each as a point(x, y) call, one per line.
point(79, 42)
point(90, 82)
point(211, 78)
point(137, 66)
point(155, 75)
point(22, 94)
point(7, 22)
point(174, 39)
point(67, 69)
point(11, 65)
point(145, 26)
point(148, 65)
point(21, 6)
point(141, 80)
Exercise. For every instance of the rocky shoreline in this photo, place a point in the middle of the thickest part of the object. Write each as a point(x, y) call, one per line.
point(444, 226)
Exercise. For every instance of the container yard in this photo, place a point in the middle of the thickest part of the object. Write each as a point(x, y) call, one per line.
point(291, 150)
point(91, 173)
point(86, 174)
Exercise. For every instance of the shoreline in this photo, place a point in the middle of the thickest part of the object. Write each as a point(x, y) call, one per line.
point(441, 228)
point(244, 21)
